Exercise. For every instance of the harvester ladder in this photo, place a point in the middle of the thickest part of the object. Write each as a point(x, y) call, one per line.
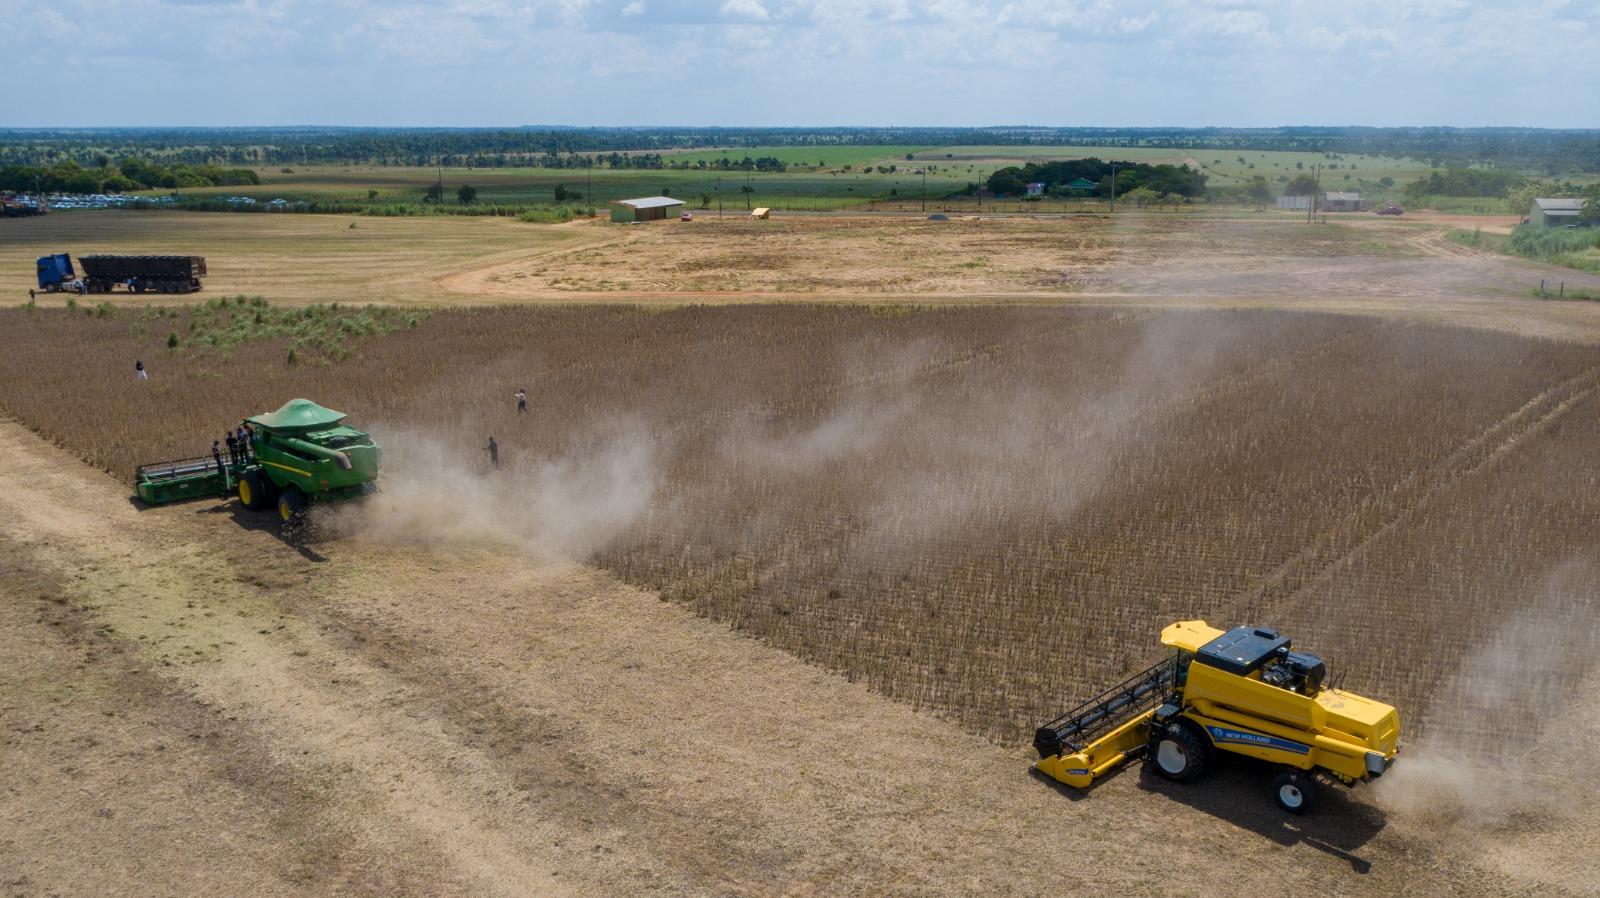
point(1077, 728)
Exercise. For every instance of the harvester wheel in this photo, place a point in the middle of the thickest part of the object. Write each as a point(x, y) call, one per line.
point(1181, 752)
point(1292, 789)
point(255, 491)
point(292, 505)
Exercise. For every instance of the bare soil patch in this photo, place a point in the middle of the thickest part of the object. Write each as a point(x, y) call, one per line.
point(887, 257)
point(1367, 265)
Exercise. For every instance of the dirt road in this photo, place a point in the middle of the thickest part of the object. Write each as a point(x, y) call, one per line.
point(192, 705)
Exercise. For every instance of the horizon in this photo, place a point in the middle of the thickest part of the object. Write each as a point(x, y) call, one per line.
point(681, 126)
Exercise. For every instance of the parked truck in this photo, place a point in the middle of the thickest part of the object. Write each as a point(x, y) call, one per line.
point(19, 207)
point(138, 274)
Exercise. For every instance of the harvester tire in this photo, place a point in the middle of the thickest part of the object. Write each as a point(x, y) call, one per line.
point(1181, 752)
point(1292, 790)
point(292, 505)
point(256, 491)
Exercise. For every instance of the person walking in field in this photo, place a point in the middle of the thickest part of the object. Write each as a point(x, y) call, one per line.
point(522, 400)
point(494, 452)
point(138, 370)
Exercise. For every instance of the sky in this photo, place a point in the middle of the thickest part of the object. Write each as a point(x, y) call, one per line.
point(1231, 63)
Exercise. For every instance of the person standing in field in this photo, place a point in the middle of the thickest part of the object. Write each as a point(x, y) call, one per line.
point(522, 400)
point(494, 452)
point(138, 370)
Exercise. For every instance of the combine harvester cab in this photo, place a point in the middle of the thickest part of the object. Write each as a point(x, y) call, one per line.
point(300, 454)
point(1240, 690)
point(305, 453)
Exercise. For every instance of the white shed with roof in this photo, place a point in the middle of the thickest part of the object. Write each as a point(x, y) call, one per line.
point(647, 208)
point(1554, 213)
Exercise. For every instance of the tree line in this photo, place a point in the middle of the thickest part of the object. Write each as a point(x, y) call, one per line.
point(1541, 151)
point(1130, 176)
point(1466, 182)
point(132, 173)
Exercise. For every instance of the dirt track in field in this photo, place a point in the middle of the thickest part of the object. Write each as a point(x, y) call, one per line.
point(194, 706)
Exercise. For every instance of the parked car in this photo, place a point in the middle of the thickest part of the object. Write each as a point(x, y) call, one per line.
point(1391, 209)
point(687, 216)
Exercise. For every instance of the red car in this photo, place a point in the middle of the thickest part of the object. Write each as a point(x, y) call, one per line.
point(1391, 209)
point(687, 216)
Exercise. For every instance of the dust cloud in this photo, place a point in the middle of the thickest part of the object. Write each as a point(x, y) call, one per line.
point(436, 490)
point(1504, 732)
point(956, 444)
point(917, 444)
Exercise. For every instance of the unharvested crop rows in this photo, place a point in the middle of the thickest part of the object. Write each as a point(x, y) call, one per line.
point(985, 512)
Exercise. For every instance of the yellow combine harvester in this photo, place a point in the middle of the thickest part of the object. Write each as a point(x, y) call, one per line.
point(1242, 691)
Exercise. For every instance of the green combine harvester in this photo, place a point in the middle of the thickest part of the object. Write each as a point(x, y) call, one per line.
point(300, 454)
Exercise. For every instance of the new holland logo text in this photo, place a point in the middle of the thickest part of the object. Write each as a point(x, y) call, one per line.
point(1222, 734)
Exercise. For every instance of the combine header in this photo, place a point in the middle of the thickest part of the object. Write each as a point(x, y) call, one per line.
point(299, 454)
point(1242, 691)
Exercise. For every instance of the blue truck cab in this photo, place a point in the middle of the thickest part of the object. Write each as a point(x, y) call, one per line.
point(55, 272)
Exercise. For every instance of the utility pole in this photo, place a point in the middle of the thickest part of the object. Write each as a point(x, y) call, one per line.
point(1113, 188)
point(1316, 175)
point(924, 188)
point(719, 197)
point(588, 174)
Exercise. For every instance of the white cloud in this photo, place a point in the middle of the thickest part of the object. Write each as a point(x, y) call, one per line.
point(748, 9)
point(462, 62)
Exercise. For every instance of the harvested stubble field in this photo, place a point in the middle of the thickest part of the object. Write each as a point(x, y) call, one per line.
point(288, 258)
point(981, 512)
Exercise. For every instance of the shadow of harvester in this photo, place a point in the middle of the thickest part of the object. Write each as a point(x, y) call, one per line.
point(1238, 791)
